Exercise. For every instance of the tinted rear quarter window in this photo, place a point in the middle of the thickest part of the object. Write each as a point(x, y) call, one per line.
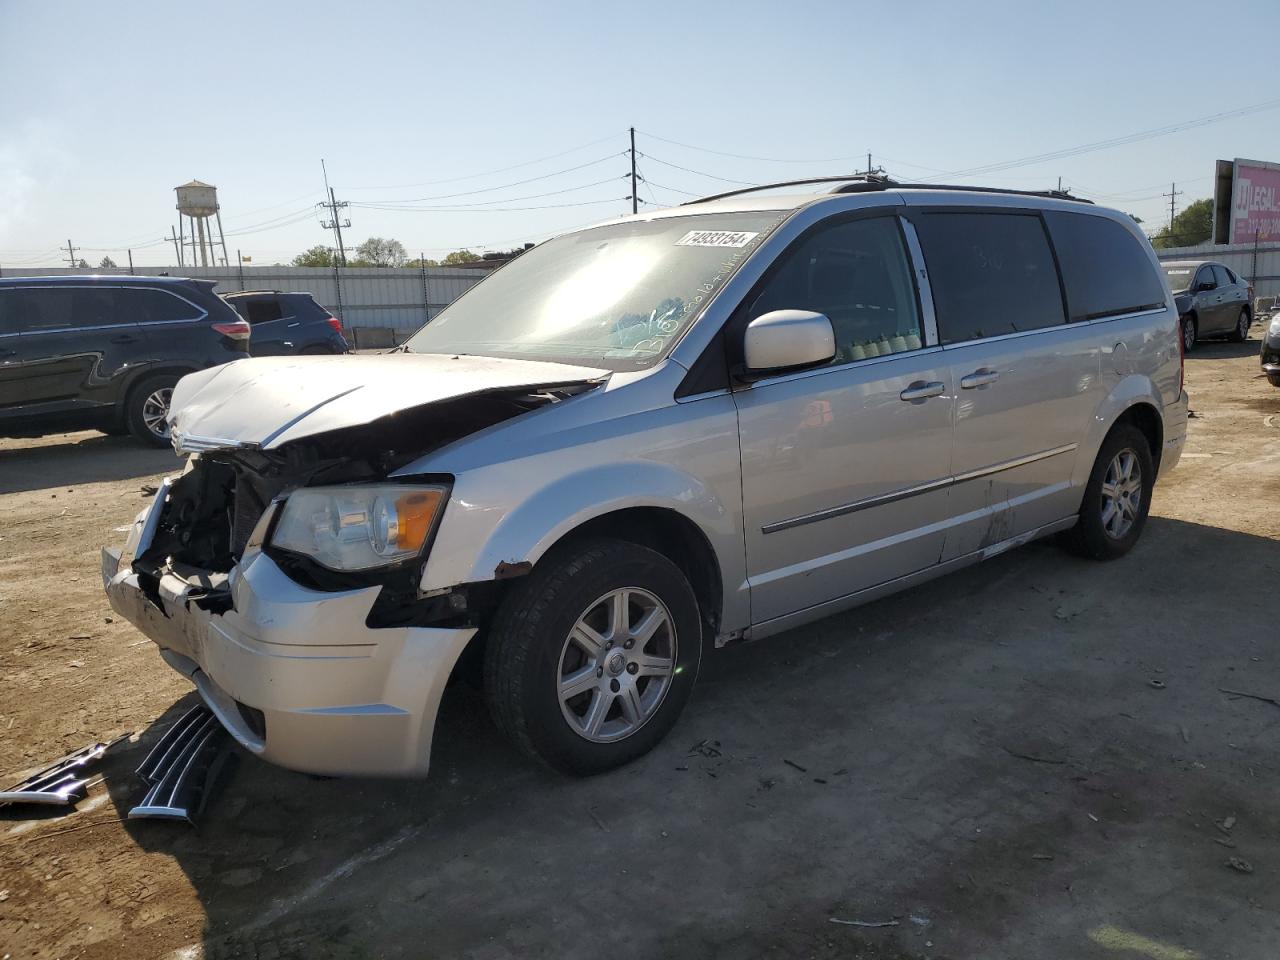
point(263, 310)
point(145, 305)
point(991, 273)
point(1105, 269)
point(43, 308)
point(10, 300)
point(1222, 275)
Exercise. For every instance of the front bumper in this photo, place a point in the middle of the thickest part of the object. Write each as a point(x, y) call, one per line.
point(335, 696)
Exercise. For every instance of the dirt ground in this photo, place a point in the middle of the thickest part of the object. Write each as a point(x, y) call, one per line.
point(1031, 758)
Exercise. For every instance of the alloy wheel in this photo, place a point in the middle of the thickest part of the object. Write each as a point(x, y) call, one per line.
point(155, 411)
point(616, 665)
point(1121, 494)
point(1244, 325)
point(1188, 333)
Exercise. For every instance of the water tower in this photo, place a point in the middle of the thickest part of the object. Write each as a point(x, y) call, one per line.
point(198, 202)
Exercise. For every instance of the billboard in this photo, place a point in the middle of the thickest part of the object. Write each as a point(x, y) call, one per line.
point(1246, 205)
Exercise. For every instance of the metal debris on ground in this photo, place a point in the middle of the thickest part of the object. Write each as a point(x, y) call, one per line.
point(61, 784)
point(1239, 865)
point(1156, 684)
point(792, 763)
point(182, 768)
point(865, 923)
point(706, 748)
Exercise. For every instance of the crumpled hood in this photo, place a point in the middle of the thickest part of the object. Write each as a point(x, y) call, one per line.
point(269, 401)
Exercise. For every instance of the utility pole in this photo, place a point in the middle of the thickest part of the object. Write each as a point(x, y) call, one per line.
point(1173, 195)
point(130, 253)
point(71, 254)
point(1059, 184)
point(177, 250)
point(240, 265)
point(335, 224)
point(426, 292)
point(635, 198)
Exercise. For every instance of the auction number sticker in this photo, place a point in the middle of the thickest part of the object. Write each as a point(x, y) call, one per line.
point(715, 238)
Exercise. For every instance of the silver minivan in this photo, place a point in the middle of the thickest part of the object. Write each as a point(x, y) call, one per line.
point(643, 439)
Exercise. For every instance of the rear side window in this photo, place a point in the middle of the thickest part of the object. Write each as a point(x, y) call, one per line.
point(144, 305)
point(991, 273)
point(1105, 269)
point(1222, 275)
point(39, 309)
point(262, 311)
point(9, 303)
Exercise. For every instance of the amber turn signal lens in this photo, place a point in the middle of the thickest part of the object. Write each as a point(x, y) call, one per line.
point(415, 513)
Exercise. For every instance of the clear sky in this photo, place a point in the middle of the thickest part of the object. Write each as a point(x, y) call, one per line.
point(105, 107)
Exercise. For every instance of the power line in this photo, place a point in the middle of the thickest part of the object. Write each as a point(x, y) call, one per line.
point(1117, 141)
point(546, 206)
point(393, 205)
point(504, 186)
point(487, 173)
point(744, 156)
point(700, 173)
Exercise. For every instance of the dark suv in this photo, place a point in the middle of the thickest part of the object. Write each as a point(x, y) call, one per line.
point(284, 324)
point(104, 352)
point(1211, 300)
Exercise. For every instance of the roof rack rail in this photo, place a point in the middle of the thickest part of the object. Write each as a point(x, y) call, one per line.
point(873, 181)
point(866, 183)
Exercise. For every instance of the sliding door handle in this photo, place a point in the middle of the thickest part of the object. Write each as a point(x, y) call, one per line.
point(979, 378)
point(923, 390)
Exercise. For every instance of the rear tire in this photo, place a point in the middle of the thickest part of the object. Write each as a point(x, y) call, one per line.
point(592, 658)
point(1241, 333)
point(1189, 333)
point(1117, 498)
point(147, 408)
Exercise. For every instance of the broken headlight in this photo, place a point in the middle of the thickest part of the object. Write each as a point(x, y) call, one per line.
point(359, 527)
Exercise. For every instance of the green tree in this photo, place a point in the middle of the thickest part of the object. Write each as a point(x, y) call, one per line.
point(107, 264)
point(317, 256)
point(461, 256)
point(1193, 225)
point(377, 252)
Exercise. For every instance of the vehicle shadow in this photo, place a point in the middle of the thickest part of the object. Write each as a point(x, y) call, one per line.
point(82, 458)
point(1224, 350)
point(922, 753)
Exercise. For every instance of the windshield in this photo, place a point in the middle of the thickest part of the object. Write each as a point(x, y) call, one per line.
point(1179, 275)
point(616, 296)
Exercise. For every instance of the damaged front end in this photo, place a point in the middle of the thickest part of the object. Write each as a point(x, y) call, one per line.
point(306, 662)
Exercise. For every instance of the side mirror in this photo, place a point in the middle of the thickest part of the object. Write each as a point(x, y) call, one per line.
point(786, 340)
point(1204, 285)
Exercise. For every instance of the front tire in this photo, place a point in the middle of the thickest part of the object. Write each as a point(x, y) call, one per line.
point(147, 409)
point(1241, 333)
point(1117, 498)
point(591, 659)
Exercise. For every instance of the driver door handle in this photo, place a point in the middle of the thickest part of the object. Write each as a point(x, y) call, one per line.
point(923, 390)
point(979, 378)
point(124, 338)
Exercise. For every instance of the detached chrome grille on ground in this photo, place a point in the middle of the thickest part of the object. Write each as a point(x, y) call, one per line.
point(182, 767)
point(61, 784)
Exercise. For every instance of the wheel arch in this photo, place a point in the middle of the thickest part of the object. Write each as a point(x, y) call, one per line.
point(670, 533)
point(177, 370)
point(1135, 400)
